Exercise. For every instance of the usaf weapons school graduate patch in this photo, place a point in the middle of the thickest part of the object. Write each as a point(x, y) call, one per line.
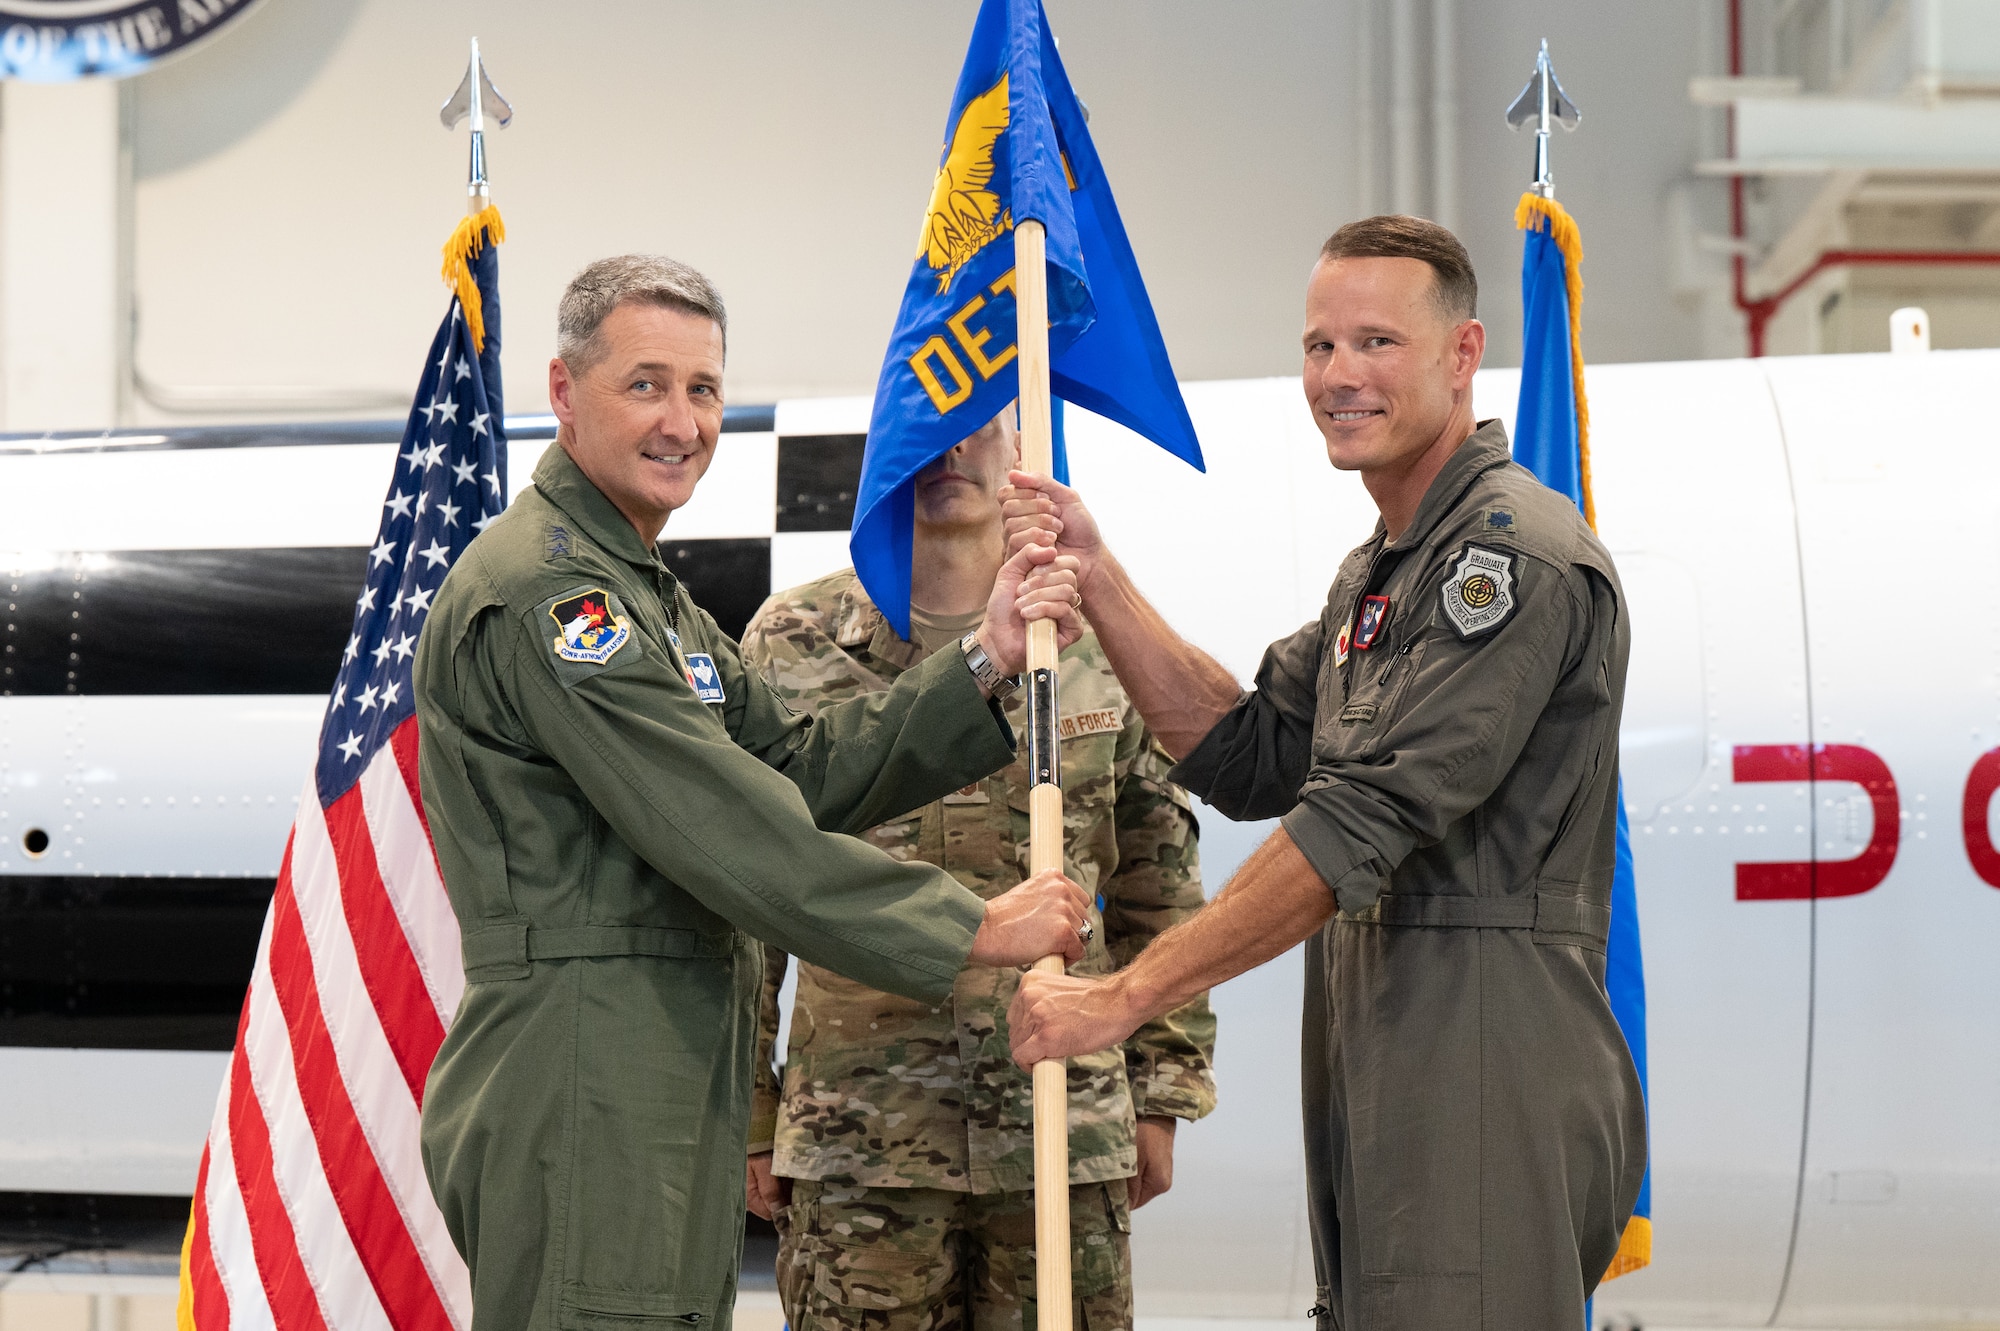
point(588, 630)
point(1479, 594)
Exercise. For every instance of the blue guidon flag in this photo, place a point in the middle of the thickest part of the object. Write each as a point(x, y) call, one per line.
point(1016, 148)
point(1552, 439)
point(311, 1209)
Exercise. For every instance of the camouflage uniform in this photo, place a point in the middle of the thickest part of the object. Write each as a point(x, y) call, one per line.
point(907, 1125)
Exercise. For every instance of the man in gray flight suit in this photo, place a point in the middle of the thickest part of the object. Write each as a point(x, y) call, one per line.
point(1441, 746)
point(617, 804)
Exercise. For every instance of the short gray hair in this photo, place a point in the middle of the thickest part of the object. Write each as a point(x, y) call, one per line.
point(649, 279)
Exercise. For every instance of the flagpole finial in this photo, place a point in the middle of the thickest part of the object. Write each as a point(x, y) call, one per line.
point(1543, 102)
point(475, 100)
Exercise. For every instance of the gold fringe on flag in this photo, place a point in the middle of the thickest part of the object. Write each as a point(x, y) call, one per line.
point(184, 1304)
point(467, 239)
point(1635, 1249)
point(1535, 213)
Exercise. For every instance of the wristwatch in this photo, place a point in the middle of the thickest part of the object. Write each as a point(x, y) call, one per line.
point(991, 681)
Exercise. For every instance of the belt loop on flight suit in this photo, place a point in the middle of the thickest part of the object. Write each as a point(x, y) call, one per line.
point(503, 951)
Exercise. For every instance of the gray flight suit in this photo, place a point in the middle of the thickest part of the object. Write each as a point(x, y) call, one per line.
point(618, 805)
point(1442, 745)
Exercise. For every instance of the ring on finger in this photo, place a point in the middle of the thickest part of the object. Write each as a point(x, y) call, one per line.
point(1086, 931)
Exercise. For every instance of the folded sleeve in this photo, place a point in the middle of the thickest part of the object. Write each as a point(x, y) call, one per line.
point(1465, 716)
point(1251, 764)
point(766, 1091)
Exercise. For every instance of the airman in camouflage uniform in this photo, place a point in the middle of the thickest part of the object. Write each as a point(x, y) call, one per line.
point(904, 1123)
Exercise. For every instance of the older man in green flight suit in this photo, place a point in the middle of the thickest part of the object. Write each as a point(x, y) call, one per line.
point(621, 811)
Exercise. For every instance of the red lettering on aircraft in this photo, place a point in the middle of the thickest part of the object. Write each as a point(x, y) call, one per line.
point(1979, 788)
point(1804, 880)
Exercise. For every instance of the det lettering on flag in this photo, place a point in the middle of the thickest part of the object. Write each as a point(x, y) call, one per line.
point(1016, 148)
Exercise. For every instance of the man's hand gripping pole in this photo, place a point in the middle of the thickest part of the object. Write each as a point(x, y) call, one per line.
point(1045, 812)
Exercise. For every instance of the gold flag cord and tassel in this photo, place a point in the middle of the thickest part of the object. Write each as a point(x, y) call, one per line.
point(1536, 213)
point(467, 239)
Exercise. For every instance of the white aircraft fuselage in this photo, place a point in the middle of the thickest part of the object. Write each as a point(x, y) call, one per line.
point(1810, 550)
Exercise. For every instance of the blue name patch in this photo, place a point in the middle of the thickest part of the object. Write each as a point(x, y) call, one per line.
point(702, 674)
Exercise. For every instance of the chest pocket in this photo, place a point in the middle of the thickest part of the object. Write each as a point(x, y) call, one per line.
point(1378, 689)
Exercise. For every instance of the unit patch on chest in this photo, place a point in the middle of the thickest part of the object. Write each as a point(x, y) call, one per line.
point(590, 631)
point(1374, 614)
point(1340, 641)
point(1479, 595)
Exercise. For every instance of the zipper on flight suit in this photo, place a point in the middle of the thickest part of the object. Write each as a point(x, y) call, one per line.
point(1394, 661)
point(670, 606)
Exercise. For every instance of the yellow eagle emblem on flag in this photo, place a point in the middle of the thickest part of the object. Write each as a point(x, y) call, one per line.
point(964, 215)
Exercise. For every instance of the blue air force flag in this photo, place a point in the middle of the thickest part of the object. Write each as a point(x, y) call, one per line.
point(1016, 148)
point(1552, 439)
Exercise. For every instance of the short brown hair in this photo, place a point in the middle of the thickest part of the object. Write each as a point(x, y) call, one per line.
point(649, 279)
point(1454, 287)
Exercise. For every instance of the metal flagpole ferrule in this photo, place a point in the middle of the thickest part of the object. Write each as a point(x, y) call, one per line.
point(1044, 747)
point(1543, 103)
point(475, 99)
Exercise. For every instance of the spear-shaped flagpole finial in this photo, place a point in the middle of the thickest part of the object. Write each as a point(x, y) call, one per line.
point(1543, 101)
point(476, 99)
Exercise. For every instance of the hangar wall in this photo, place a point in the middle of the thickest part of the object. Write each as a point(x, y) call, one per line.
point(289, 183)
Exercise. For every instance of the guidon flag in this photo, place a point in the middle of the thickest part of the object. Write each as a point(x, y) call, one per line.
point(1016, 148)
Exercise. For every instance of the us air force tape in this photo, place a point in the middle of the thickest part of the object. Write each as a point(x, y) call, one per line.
point(1479, 595)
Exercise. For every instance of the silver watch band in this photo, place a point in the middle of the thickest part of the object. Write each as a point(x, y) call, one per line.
point(981, 665)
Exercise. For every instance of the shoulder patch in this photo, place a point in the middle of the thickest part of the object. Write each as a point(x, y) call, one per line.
point(702, 674)
point(1479, 595)
point(589, 629)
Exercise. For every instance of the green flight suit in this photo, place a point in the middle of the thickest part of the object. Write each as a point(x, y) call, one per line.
point(610, 842)
point(1442, 744)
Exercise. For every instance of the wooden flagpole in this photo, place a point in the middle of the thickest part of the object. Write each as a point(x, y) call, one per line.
point(1045, 811)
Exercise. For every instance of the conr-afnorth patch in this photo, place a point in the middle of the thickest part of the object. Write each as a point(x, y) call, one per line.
point(588, 629)
point(1479, 595)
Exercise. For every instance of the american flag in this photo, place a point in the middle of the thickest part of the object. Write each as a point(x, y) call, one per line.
point(311, 1211)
